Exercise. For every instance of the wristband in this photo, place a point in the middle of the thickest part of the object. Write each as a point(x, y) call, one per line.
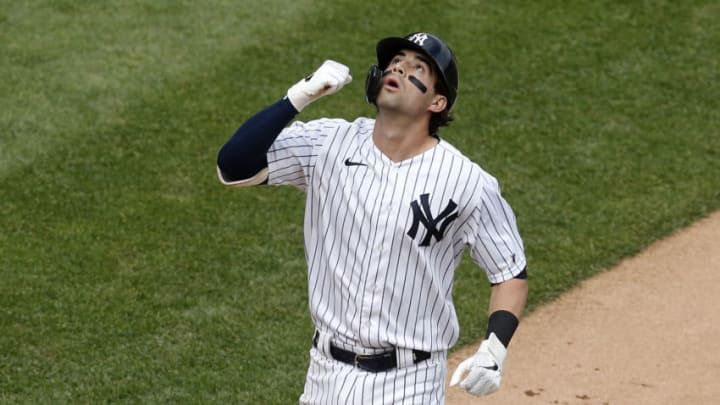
point(503, 324)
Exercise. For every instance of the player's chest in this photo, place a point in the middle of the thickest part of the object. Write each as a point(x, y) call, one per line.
point(410, 201)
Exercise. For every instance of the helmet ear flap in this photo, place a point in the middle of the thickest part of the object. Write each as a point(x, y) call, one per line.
point(373, 82)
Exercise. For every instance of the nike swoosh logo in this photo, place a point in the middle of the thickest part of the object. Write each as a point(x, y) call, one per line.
point(348, 162)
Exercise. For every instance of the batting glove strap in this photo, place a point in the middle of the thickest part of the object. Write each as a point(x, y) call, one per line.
point(328, 79)
point(481, 374)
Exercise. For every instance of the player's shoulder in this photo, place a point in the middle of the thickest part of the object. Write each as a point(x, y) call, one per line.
point(471, 168)
point(359, 129)
point(319, 123)
point(361, 125)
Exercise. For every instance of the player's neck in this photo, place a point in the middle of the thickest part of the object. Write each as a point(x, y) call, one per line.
point(400, 139)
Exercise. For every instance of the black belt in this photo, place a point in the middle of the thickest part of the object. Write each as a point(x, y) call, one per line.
point(374, 363)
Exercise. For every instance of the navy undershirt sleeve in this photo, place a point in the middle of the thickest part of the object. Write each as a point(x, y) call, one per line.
point(245, 153)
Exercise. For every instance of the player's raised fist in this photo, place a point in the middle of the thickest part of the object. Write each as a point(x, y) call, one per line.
point(330, 77)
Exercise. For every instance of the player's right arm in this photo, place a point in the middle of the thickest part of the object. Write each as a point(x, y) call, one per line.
point(242, 161)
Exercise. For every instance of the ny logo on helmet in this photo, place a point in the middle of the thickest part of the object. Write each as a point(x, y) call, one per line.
point(422, 215)
point(418, 38)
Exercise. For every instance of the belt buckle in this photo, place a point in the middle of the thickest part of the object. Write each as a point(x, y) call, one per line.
point(365, 366)
point(375, 366)
point(357, 359)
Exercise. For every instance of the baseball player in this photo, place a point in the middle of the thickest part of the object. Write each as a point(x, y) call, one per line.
point(390, 208)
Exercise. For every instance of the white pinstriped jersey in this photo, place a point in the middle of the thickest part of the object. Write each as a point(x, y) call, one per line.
point(384, 238)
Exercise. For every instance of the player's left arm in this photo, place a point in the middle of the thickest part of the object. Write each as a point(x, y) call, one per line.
point(509, 296)
point(481, 373)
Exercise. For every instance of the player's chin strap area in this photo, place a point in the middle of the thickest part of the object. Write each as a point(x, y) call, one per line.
point(374, 79)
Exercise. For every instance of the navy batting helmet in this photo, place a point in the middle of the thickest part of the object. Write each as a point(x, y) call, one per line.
point(432, 46)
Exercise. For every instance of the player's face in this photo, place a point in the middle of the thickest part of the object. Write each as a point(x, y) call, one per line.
point(409, 82)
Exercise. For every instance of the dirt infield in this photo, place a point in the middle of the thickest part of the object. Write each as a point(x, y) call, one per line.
point(644, 332)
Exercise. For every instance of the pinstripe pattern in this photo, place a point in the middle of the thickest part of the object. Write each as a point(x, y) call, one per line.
point(371, 283)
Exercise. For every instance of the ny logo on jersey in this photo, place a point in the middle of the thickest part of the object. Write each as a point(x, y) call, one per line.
point(418, 38)
point(422, 215)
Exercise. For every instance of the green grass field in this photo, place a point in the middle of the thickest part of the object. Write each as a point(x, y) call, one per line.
point(128, 274)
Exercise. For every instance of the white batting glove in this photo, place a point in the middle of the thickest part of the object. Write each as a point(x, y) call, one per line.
point(328, 79)
point(483, 369)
